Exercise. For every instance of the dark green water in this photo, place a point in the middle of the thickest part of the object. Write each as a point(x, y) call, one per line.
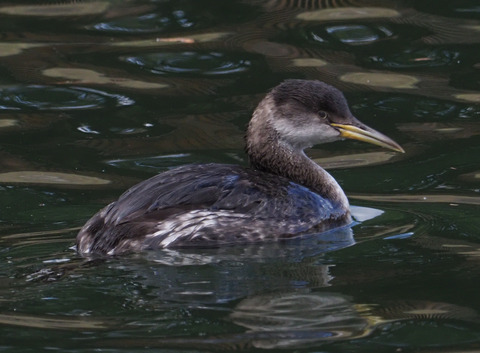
point(98, 95)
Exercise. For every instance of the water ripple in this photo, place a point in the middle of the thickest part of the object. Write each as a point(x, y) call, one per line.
point(173, 17)
point(146, 23)
point(351, 34)
point(190, 63)
point(416, 58)
point(356, 34)
point(39, 97)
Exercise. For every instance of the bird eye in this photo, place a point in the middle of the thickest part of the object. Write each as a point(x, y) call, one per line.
point(322, 114)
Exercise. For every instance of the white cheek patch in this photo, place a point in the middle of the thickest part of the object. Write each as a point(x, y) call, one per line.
point(307, 134)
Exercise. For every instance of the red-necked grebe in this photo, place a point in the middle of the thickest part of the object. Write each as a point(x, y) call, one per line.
point(282, 195)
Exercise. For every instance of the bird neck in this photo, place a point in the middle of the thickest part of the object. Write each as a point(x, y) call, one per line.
point(268, 153)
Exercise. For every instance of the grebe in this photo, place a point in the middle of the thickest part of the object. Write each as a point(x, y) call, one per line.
point(282, 195)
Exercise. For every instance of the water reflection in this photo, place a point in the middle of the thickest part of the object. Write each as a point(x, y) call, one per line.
point(327, 36)
point(464, 9)
point(168, 41)
point(10, 49)
point(422, 198)
point(293, 310)
point(378, 79)
point(411, 58)
point(41, 177)
point(348, 13)
point(158, 163)
point(146, 23)
point(179, 16)
point(52, 323)
point(426, 132)
point(86, 76)
point(58, 98)
point(270, 296)
point(295, 250)
point(190, 63)
point(301, 318)
point(190, 73)
point(355, 159)
point(357, 34)
point(57, 10)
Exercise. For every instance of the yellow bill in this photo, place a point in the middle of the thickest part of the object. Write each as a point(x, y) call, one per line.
point(371, 136)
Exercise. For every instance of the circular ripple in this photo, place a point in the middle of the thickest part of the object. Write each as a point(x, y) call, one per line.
point(188, 16)
point(339, 34)
point(148, 23)
point(37, 97)
point(191, 63)
point(356, 34)
point(350, 34)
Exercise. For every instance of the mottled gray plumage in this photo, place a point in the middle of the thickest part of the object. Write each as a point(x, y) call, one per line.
point(282, 195)
point(233, 205)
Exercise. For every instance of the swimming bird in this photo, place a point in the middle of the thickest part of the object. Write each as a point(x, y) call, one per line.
point(282, 194)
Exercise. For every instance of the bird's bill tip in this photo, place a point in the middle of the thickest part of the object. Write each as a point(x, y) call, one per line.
point(370, 136)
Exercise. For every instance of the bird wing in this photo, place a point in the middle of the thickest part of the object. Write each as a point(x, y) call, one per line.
point(218, 187)
point(206, 204)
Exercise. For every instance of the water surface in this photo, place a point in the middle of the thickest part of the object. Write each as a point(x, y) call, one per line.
point(98, 95)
